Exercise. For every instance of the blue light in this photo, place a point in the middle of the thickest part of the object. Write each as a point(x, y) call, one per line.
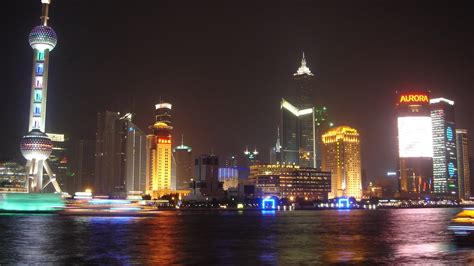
point(343, 203)
point(130, 129)
point(109, 201)
point(451, 169)
point(449, 134)
point(268, 204)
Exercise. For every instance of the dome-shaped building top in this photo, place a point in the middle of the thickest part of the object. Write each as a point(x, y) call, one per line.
point(36, 145)
point(42, 38)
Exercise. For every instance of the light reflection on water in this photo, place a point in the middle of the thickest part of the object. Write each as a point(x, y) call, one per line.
point(244, 237)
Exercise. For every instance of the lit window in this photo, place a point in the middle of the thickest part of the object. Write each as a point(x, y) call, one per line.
point(39, 68)
point(40, 56)
point(38, 96)
point(37, 110)
point(39, 82)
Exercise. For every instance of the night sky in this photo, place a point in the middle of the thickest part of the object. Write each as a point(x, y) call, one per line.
point(224, 66)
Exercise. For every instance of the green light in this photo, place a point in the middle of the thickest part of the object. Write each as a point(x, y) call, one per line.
point(31, 202)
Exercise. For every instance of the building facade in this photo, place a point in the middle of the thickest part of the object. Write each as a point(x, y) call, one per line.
point(415, 143)
point(445, 173)
point(290, 181)
point(159, 153)
point(60, 162)
point(135, 158)
point(84, 165)
point(463, 166)
point(341, 156)
point(184, 166)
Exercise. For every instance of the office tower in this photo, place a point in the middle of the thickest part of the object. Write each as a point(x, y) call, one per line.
point(286, 181)
point(229, 176)
point(341, 156)
point(135, 157)
point(59, 161)
point(206, 181)
point(464, 173)
point(415, 145)
point(159, 153)
point(184, 166)
point(297, 135)
point(36, 146)
point(120, 156)
point(109, 156)
point(84, 165)
point(445, 173)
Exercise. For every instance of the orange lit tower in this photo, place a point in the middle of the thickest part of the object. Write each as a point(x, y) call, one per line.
point(341, 156)
point(159, 153)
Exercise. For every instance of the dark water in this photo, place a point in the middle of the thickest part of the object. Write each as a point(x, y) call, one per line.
point(297, 237)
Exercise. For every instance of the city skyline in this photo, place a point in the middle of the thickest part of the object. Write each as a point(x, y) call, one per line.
point(231, 88)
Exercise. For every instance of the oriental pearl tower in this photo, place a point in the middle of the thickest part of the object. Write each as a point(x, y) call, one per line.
point(36, 146)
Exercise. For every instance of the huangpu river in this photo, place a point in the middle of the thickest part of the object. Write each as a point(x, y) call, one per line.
point(412, 236)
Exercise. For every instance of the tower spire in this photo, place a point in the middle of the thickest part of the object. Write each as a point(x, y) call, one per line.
point(44, 13)
point(182, 139)
point(303, 69)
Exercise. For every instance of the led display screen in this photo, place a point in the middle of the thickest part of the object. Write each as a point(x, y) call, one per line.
point(414, 137)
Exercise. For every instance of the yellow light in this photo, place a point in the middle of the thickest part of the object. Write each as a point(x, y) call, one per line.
point(292, 198)
point(88, 190)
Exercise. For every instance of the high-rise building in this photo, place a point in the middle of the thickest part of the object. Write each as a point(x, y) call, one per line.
point(206, 180)
point(287, 181)
point(120, 157)
point(36, 146)
point(109, 155)
point(184, 166)
point(415, 143)
point(464, 173)
point(159, 153)
point(59, 161)
point(445, 174)
point(135, 157)
point(341, 156)
point(84, 165)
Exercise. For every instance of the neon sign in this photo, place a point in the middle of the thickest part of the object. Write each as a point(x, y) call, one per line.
point(414, 98)
point(164, 141)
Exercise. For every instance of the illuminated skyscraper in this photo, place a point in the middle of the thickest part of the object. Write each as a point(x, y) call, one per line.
point(159, 152)
point(184, 166)
point(464, 173)
point(298, 142)
point(341, 156)
point(415, 143)
point(445, 174)
point(36, 146)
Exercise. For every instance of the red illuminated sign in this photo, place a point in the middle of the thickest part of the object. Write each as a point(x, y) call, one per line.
point(164, 141)
point(414, 98)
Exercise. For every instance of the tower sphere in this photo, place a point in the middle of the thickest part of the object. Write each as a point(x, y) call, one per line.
point(36, 145)
point(42, 38)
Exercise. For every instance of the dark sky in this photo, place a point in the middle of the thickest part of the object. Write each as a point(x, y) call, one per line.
point(224, 65)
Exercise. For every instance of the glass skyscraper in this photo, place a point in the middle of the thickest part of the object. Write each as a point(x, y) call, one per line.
point(445, 172)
